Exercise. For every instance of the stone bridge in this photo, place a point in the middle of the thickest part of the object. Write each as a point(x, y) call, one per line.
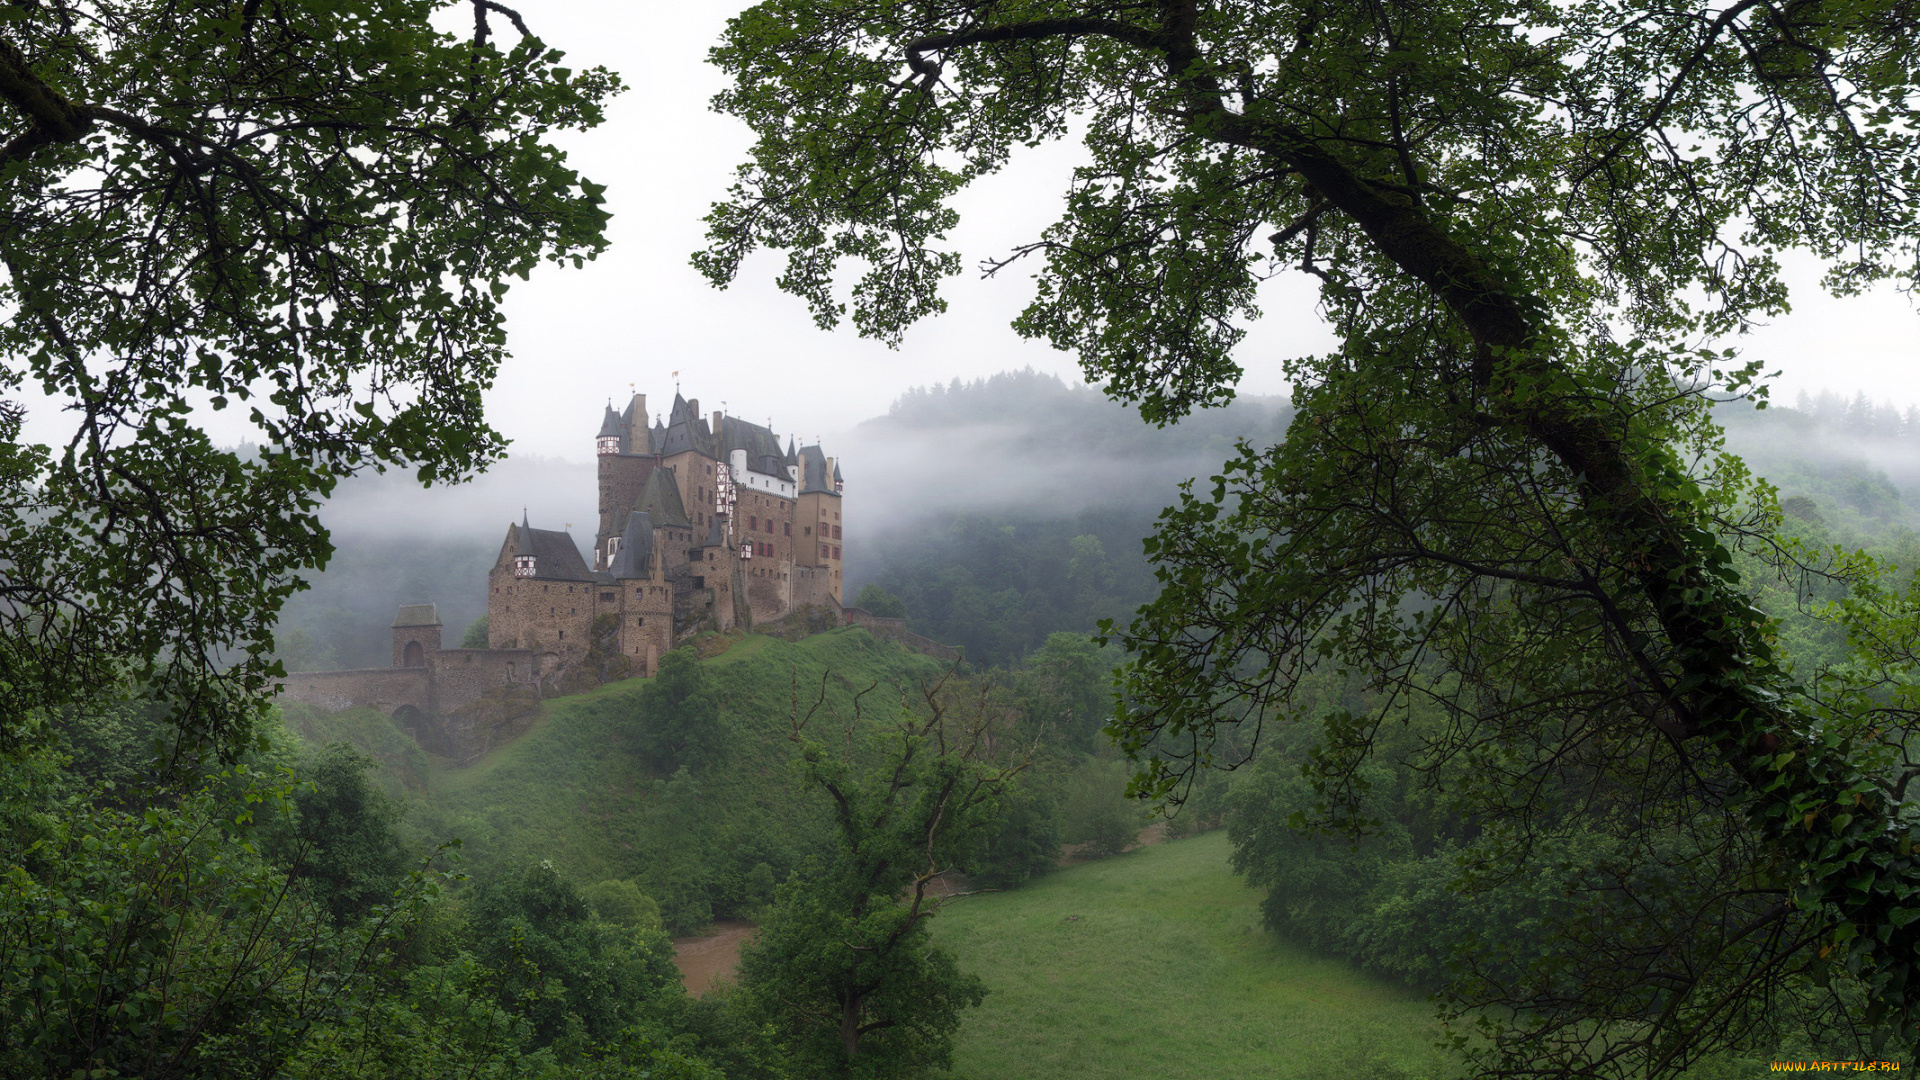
point(454, 702)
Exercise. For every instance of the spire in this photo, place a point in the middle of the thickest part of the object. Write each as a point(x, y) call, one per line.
point(611, 425)
point(524, 522)
point(792, 457)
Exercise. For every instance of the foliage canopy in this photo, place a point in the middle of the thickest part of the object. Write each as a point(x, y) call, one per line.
point(307, 211)
point(1501, 495)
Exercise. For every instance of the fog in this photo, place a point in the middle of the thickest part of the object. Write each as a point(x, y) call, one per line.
point(1023, 443)
point(1019, 445)
point(551, 492)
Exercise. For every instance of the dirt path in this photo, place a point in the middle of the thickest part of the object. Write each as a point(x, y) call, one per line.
point(711, 958)
point(704, 961)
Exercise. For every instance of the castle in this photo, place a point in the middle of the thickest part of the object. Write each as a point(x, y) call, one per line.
point(703, 524)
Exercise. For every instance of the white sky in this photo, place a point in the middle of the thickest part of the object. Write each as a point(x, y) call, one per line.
point(641, 311)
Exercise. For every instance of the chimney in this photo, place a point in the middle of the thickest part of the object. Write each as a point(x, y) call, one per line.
point(718, 416)
point(639, 434)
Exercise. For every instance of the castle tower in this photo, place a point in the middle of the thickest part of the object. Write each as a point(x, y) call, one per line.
point(416, 635)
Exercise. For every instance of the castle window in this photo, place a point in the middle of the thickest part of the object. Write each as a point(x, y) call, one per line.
point(808, 531)
point(788, 526)
point(523, 566)
point(640, 620)
point(563, 635)
point(753, 522)
point(836, 532)
point(606, 598)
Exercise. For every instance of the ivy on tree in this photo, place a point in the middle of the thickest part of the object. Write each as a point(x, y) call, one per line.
point(1501, 494)
point(306, 212)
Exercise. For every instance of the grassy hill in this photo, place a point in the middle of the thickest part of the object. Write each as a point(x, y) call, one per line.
point(1154, 965)
point(575, 791)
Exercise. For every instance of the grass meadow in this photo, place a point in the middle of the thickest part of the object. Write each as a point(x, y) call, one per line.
point(1153, 965)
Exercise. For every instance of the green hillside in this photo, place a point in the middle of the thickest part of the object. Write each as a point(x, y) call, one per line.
point(1154, 965)
point(576, 790)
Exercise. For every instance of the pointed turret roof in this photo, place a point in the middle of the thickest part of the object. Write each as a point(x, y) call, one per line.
point(635, 557)
point(685, 431)
point(660, 500)
point(792, 458)
point(715, 537)
point(613, 426)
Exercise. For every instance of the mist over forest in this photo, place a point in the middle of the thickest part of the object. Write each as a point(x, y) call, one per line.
point(997, 511)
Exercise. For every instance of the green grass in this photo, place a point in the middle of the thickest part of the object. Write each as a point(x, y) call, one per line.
point(572, 789)
point(1167, 972)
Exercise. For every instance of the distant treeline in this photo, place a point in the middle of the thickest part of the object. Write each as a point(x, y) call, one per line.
point(1861, 416)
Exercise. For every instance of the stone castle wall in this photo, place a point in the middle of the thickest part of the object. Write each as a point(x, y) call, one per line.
point(896, 630)
point(385, 689)
point(450, 680)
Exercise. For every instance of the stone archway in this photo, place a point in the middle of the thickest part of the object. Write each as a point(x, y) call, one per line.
point(414, 656)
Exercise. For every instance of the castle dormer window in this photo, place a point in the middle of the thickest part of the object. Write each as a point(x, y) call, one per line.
point(523, 566)
point(608, 444)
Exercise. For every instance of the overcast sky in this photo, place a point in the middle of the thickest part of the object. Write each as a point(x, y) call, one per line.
point(641, 312)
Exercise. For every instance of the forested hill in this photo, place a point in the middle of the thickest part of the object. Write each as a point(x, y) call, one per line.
point(1001, 510)
point(1858, 460)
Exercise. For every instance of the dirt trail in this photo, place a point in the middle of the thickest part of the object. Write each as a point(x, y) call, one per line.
point(711, 958)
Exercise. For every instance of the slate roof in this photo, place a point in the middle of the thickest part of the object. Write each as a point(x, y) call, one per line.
point(760, 443)
point(635, 557)
point(614, 425)
point(555, 556)
point(813, 471)
point(417, 615)
point(792, 458)
point(660, 500)
point(686, 431)
point(715, 537)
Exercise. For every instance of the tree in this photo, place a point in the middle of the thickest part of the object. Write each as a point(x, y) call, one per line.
point(338, 836)
point(679, 715)
point(566, 972)
point(844, 970)
point(1501, 493)
point(157, 943)
point(878, 601)
point(307, 211)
